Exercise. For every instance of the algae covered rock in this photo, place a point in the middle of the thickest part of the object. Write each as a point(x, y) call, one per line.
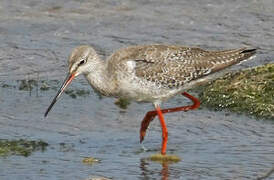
point(164, 158)
point(250, 91)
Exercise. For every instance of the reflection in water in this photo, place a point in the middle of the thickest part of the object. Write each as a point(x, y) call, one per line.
point(165, 171)
point(146, 172)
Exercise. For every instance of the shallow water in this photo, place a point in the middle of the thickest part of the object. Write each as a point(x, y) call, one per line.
point(36, 39)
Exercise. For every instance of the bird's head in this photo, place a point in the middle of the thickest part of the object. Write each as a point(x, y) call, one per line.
point(81, 61)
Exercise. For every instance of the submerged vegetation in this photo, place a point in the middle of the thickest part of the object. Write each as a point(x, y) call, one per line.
point(122, 103)
point(21, 147)
point(37, 86)
point(250, 91)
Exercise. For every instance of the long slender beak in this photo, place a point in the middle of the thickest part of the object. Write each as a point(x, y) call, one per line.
point(67, 81)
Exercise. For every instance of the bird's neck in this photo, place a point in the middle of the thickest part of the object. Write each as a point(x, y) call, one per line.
point(99, 78)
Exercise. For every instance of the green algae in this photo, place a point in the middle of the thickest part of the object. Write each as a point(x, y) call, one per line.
point(76, 93)
point(20, 147)
point(250, 91)
point(164, 158)
point(122, 103)
point(42, 86)
point(27, 85)
point(6, 86)
point(90, 160)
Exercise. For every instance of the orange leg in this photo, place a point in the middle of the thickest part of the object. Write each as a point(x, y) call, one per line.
point(152, 114)
point(164, 129)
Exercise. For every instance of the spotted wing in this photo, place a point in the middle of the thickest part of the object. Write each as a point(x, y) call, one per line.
point(173, 67)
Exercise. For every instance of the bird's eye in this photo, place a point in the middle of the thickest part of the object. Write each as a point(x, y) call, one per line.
point(82, 62)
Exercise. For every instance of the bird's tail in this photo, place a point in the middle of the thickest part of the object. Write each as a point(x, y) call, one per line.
point(231, 57)
point(248, 53)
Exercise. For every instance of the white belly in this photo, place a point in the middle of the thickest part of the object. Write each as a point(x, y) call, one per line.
point(143, 91)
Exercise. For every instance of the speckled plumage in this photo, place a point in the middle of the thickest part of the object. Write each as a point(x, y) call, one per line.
point(157, 72)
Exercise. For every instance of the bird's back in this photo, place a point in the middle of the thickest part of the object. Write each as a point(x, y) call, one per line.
point(172, 67)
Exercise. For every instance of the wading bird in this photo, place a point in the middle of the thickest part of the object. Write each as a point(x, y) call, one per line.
point(150, 73)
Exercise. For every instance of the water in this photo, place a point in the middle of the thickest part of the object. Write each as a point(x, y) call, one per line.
point(36, 39)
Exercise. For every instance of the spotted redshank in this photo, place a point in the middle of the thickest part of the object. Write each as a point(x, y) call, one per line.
point(150, 73)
